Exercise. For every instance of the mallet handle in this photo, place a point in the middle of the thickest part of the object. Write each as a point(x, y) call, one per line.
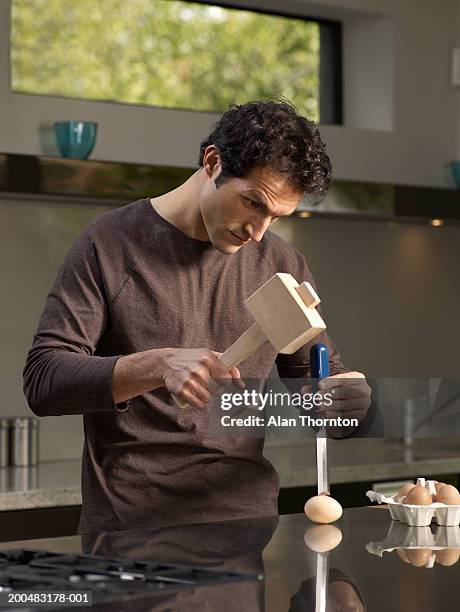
point(246, 345)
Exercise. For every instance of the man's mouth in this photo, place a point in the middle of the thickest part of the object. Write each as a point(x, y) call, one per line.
point(237, 238)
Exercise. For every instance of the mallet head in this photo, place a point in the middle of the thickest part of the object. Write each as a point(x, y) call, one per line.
point(286, 312)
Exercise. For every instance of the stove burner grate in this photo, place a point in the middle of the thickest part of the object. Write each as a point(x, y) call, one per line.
point(23, 569)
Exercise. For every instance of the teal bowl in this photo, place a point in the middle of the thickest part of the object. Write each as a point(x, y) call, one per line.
point(75, 139)
point(455, 167)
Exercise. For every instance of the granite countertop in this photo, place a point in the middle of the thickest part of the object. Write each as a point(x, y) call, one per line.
point(54, 484)
point(50, 484)
point(362, 460)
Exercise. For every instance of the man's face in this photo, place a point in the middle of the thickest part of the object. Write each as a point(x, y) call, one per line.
point(241, 209)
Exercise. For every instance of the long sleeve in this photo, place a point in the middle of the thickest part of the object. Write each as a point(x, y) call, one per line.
point(63, 375)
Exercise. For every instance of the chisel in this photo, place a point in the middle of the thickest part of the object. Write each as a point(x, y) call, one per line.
point(319, 368)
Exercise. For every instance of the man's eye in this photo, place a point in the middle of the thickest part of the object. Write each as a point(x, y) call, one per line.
point(255, 204)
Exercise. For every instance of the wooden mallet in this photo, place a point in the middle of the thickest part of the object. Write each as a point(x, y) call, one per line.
point(286, 316)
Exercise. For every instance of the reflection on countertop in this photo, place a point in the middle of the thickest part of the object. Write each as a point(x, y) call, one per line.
point(287, 550)
point(54, 484)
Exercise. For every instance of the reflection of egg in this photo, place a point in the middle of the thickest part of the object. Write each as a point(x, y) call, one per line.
point(322, 538)
point(447, 556)
point(448, 495)
point(323, 509)
point(418, 557)
point(404, 490)
point(402, 555)
point(419, 496)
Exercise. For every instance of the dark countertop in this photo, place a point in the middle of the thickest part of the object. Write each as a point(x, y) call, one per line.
point(358, 579)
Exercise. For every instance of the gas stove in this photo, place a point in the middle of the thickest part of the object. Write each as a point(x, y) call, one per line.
point(107, 579)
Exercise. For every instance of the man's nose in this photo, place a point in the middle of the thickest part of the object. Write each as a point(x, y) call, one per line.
point(256, 230)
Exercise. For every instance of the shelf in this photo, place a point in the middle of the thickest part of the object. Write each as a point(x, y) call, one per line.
point(86, 180)
point(115, 183)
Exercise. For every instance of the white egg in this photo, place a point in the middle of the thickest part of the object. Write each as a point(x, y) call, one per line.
point(323, 509)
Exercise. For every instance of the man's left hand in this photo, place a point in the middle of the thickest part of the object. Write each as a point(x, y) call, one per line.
point(351, 395)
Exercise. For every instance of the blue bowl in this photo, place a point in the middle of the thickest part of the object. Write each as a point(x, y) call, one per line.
point(75, 138)
point(455, 167)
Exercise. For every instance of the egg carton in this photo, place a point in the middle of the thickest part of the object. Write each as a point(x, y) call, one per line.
point(418, 515)
point(405, 537)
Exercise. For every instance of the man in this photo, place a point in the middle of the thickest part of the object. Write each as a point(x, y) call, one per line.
point(147, 299)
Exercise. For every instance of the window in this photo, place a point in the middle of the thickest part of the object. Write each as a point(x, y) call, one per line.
point(174, 54)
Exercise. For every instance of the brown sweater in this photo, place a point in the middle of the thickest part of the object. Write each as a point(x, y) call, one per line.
point(131, 282)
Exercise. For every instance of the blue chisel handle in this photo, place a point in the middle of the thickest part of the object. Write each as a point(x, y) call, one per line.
point(319, 362)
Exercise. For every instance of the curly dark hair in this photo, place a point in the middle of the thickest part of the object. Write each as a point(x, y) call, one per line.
point(273, 135)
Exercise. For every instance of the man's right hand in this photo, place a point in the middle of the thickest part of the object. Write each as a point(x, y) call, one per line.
point(193, 375)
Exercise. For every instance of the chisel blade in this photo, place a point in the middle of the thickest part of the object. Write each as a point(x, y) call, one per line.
point(321, 461)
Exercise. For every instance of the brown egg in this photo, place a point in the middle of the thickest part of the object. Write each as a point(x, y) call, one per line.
point(448, 495)
point(404, 490)
point(438, 485)
point(418, 556)
point(323, 509)
point(402, 555)
point(447, 556)
point(419, 496)
point(322, 538)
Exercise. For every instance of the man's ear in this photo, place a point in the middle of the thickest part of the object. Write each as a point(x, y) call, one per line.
point(212, 163)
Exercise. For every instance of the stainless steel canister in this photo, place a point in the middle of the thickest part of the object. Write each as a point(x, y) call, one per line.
point(408, 421)
point(4, 442)
point(24, 442)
